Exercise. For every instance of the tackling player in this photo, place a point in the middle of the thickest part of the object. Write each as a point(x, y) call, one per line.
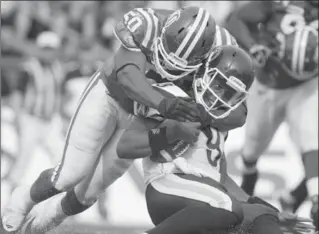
point(188, 189)
point(282, 37)
point(174, 44)
point(109, 168)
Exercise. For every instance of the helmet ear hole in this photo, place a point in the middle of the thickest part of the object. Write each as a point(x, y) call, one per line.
point(181, 30)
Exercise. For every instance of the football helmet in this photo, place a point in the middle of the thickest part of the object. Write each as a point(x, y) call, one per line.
point(185, 41)
point(222, 84)
point(299, 53)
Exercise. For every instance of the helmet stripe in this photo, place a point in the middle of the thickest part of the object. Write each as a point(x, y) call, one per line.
point(155, 21)
point(302, 52)
point(218, 37)
point(149, 29)
point(191, 32)
point(228, 37)
point(198, 34)
point(296, 47)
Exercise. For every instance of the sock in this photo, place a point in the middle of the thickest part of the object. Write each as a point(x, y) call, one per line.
point(71, 205)
point(196, 219)
point(43, 188)
point(299, 195)
point(249, 166)
point(266, 224)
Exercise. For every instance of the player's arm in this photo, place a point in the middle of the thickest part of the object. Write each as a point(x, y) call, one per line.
point(246, 19)
point(130, 68)
point(146, 137)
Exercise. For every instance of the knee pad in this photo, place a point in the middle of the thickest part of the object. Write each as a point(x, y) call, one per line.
point(43, 188)
point(71, 205)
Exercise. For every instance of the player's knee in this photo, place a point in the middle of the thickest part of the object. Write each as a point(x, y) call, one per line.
point(71, 205)
point(119, 167)
point(68, 179)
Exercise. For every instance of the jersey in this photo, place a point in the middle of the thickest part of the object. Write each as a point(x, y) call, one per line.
point(203, 157)
point(283, 33)
point(137, 31)
point(139, 28)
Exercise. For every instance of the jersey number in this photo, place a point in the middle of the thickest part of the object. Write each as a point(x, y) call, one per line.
point(291, 22)
point(132, 21)
point(212, 145)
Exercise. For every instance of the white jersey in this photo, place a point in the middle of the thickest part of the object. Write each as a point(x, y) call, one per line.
point(202, 158)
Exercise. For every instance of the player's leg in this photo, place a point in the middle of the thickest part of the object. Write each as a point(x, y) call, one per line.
point(185, 204)
point(109, 169)
point(265, 113)
point(92, 124)
point(85, 194)
point(302, 113)
point(290, 201)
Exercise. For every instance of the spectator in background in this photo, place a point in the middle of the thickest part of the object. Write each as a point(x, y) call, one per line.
point(43, 79)
point(169, 5)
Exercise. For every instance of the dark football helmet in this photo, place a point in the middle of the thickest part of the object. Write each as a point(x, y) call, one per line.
point(298, 53)
point(185, 41)
point(222, 84)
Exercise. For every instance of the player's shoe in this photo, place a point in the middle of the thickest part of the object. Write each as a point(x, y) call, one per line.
point(288, 202)
point(249, 182)
point(17, 209)
point(44, 217)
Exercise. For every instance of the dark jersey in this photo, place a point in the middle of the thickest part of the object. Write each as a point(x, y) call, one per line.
point(285, 33)
point(137, 31)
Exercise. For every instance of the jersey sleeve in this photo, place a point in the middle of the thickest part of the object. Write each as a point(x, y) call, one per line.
point(137, 29)
point(223, 37)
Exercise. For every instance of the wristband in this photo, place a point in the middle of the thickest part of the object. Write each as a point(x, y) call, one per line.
point(157, 139)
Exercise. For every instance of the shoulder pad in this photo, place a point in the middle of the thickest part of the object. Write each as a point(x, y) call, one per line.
point(223, 37)
point(137, 29)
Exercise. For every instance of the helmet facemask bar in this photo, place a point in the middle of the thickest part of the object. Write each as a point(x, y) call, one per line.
point(218, 93)
point(170, 66)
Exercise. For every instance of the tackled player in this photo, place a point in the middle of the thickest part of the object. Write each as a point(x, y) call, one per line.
point(188, 188)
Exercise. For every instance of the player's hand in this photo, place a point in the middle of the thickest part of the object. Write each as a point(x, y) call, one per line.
point(188, 132)
point(294, 224)
point(260, 54)
point(181, 109)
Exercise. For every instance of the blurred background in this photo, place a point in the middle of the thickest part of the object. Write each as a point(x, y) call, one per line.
point(49, 49)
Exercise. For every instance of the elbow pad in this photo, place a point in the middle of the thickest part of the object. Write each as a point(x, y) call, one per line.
point(127, 64)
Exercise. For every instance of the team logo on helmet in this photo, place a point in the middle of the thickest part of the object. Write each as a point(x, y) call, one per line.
point(172, 18)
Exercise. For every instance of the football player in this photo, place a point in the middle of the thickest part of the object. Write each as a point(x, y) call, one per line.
point(282, 38)
point(188, 189)
point(109, 169)
point(174, 44)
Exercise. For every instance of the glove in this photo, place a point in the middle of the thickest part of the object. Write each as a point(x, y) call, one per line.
point(188, 132)
point(181, 109)
point(294, 224)
point(260, 54)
